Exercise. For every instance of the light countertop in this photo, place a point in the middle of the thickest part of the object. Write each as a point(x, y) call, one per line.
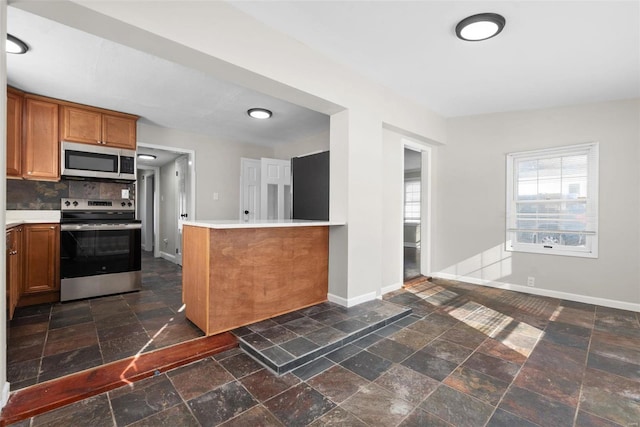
point(238, 223)
point(18, 217)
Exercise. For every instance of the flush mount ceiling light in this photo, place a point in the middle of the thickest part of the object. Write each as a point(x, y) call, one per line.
point(146, 157)
point(259, 113)
point(480, 27)
point(15, 45)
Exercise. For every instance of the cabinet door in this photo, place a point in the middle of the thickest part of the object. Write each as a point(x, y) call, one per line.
point(41, 258)
point(80, 125)
point(41, 146)
point(14, 133)
point(14, 268)
point(119, 131)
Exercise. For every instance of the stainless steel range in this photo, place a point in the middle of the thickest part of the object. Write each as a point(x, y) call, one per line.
point(100, 248)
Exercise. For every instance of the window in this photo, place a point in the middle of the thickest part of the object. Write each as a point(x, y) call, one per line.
point(412, 201)
point(552, 201)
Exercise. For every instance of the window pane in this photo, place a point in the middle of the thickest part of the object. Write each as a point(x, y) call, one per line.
point(573, 239)
point(549, 204)
point(549, 188)
point(527, 190)
point(574, 166)
point(549, 168)
point(548, 238)
point(527, 169)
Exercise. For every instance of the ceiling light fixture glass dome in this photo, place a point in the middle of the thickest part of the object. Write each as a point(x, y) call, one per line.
point(15, 45)
point(259, 113)
point(146, 157)
point(479, 27)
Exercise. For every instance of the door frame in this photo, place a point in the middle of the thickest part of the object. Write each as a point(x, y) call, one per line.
point(187, 177)
point(155, 174)
point(191, 165)
point(426, 179)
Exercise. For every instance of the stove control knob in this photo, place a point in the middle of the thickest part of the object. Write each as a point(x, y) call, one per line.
point(123, 204)
point(129, 204)
point(67, 203)
point(75, 203)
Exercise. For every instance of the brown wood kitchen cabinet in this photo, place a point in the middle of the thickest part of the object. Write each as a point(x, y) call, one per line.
point(15, 100)
point(90, 125)
point(40, 148)
point(41, 262)
point(14, 267)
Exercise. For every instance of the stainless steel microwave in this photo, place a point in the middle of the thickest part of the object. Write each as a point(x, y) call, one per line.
point(90, 161)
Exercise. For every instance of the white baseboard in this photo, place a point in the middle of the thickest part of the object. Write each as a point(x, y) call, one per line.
point(168, 256)
point(351, 301)
point(623, 305)
point(5, 394)
point(390, 288)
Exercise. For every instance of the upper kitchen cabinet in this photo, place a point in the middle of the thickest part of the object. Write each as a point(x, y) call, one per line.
point(15, 100)
point(41, 148)
point(89, 125)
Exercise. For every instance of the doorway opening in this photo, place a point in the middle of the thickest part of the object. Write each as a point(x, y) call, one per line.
point(412, 211)
point(416, 206)
point(165, 197)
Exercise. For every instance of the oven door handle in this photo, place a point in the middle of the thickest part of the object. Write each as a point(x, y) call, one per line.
point(99, 227)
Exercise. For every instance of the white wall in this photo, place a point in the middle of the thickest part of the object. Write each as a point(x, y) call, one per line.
point(470, 231)
point(310, 144)
point(393, 211)
point(217, 165)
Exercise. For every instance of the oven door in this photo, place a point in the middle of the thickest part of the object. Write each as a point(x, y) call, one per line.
point(98, 249)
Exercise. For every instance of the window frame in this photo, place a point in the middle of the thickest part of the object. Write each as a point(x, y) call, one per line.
point(590, 250)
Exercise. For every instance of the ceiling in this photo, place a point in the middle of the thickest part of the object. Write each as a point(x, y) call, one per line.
point(69, 64)
point(589, 51)
point(162, 157)
point(550, 53)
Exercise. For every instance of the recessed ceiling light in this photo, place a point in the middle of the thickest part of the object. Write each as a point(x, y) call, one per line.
point(259, 113)
point(480, 27)
point(146, 157)
point(15, 45)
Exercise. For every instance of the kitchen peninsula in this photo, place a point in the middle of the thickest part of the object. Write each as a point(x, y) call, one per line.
point(235, 273)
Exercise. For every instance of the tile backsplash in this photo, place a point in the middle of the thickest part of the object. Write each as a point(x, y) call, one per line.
point(46, 195)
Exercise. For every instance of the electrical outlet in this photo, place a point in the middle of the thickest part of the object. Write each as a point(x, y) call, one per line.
point(531, 281)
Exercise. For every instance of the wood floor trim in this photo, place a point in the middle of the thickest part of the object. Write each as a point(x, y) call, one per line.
point(50, 395)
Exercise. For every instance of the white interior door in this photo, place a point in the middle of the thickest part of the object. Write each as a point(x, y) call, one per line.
point(249, 189)
point(182, 175)
point(275, 189)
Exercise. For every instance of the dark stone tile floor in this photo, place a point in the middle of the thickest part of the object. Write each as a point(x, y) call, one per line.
point(472, 356)
point(292, 340)
point(52, 340)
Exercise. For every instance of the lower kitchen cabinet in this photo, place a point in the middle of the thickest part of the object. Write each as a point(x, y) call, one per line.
point(14, 267)
point(41, 279)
